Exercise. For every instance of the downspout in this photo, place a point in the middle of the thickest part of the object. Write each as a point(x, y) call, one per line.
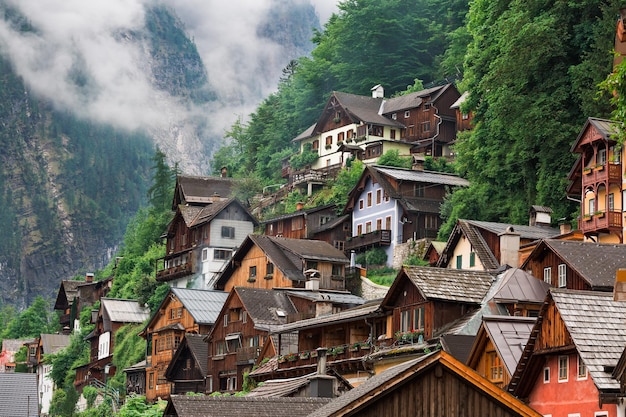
point(432, 143)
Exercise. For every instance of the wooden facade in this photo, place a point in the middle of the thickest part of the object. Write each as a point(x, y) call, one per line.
point(549, 265)
point(301, 224)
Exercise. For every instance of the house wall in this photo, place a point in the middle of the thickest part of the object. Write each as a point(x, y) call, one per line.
point(484, 366)
point(573, 280)
point(563, 398)
point(463, 249)
point(256, 257)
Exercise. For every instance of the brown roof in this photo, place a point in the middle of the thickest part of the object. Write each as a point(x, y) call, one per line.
point(265, 307)
point(207, 406)
point(364, 109)
point(200, 190)
point(606, 128)
point(67, 292)
point(198, 215)
point(199, 350)
point(596, 263)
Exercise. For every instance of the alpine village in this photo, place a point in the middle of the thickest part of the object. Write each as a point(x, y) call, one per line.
point(267, 314)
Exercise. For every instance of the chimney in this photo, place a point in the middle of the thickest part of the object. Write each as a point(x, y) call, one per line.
point(89, 277)
point(215, 197)
point(509, 247)
point(565, 227)
point(619, 289)
point(223, 172)
point(313, 283)
point(322, 385)
point(378, 91)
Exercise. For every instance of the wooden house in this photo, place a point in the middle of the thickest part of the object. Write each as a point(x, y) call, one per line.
point(187, 371)
point(596, 180)
point(480, 245)
point(301, 224)
point(391, 205)
point(433, 252)
point(566, 367)
point(239, 334)
point(463, 118)
point(200, 241)
point(73, 295)
point(274, 262)
point(113, 314)
point(208, 406)
point(520, 293)
point(182, 311)
point(498, 347)
point(433, 385)
point(576, 265)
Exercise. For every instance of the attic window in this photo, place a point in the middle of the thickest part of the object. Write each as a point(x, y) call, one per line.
point(407, 114)
point(427, 106)
point(281, 313)
point(228, 232)
point(394, 116)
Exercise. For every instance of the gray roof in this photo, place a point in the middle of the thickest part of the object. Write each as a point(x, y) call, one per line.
point(352, 314)
point(280, 387)
point(199, 350)
point(124, 311)
point(423, 176)
point(364, 109)
point(13, 345)
point(596, 263)
point(201, 190)
point(335, 297)
point(451, 284)
point(526, 232)
point(264, 306)
point(412, 100)
point(519, 286)
point(597, 325)
point(509, 335)
point(460, 100)
point(203, 305)
point(52, 343)
point(19, 395)
point(606, 128)
point(207, 406)
point(310, 131)
point(70, 290)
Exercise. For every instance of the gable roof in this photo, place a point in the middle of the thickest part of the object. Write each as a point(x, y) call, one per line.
point(606, 128)
point(447, 284)
point(265, 307)
point(199, 350)
point(519, 286)
point(364, 109)
point(431, 177)
point(203, 305)
point(19, 394)
point(410, 371)
point(349, 315)
point(124, 311)
point(304, 212)
point(52, 343)
point(596, 263)
point(413, 100)
point(68, 291)
point(194, 216)
point(508, 334)
point(207, 406)
point(597, 325)
point(200, 190)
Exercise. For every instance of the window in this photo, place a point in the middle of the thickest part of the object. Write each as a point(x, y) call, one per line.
point(315, 145)
point(379, 224)
point(601, 156)
point(151, 380)
point(361, 204)
point(495, 367)
point(547, 275)
point(472, 259)
point(222, 254)
point(269, 269)
point(411, 130)
point(231, 383)
point(392, 133)
point(324, 220)
point(297, 223)
point(405, 320)
point(394, 116)
point(359, 229)
point(426, 127)
point(546, 375)
point(563, 368)
point(279, 227)
point(368, 227)
point(582, 369)
point(340, 137)
point(388, 222)
point(329, 141)
point(233, 342)
point(379, 196)
point(226, 320)
point(220, 348)
point(228, 232)
point(418, 190)
point(205, 254)
point(464, 116)
point(562, 275)
point(205, 231)
point(369, 199)
point(611, 202)
point(407, 114)
point(339, 244)
point(252, 274)
point(617, 155)
point(418, 318)
point(592, 205)
point(459, 262)
point(336, 270)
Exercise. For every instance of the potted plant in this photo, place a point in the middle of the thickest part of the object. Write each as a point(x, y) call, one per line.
point(304, 355)
point(599, 214)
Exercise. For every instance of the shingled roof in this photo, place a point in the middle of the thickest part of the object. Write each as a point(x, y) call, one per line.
point(199, 350)
point(265, 307)
point(596, 263)
point(203, 305)
point(67, 293)
point(19, 396)
point(52, 343)
point(519, 286)
point(123, 311)
point(597, 326)
point(207, 406)
point(200, 190)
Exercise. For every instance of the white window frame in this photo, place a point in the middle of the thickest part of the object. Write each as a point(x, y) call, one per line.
point(546, 375)
point(562, 275)
point(407, 114)
point(566, 359)
point(601, 156)
point(547, 275)
point(581, 367)
point(205, 254)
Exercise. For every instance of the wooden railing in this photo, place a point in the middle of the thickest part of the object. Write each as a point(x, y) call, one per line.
point(607, 172)
point(178, 271)
point(601, 221)
point(375, 238)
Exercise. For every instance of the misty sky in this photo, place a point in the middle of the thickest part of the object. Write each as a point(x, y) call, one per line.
point(76, 34)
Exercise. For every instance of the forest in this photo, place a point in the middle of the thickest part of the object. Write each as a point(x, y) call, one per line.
point(535, 70)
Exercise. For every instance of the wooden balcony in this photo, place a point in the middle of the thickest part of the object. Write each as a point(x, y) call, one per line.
point(375, 238)
point(610, 173)
point(314, 175)
point(179, 268)
point(601, 222)
point(336, 354)
point(247, 355)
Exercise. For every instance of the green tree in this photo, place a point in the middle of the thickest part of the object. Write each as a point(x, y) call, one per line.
point(163, 179)
point(392, 158)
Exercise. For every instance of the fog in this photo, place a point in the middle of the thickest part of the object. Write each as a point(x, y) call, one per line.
point(80, 57)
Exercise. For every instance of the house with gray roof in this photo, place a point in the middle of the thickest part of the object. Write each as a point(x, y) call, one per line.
point(19, 395)
point(188, 368)
point(520, 293)
point(573, 349)
point(47, 344)
point(482, 245)
point(183, 312)
point(575, 264)
point(390, 206)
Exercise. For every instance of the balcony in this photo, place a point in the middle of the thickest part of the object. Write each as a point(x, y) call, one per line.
point(334, 355)
point(610, 173)
point(247, 355)
point(375, 238)
point(175, 266)
point(601, 222)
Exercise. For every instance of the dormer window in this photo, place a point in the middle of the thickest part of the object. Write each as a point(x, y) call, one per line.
point(407, 114)
point(394, 116)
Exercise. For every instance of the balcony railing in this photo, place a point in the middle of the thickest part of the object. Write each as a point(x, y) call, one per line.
point(610, 172)
point(181, 264)
point(375, 238)
point(598, 222)
point(247, 354)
